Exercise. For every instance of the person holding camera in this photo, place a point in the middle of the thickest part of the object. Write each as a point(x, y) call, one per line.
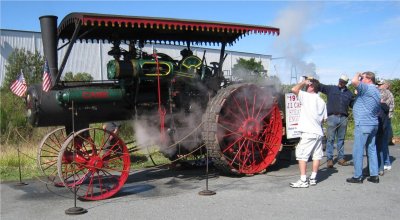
point(312, 114)
point(365, 111)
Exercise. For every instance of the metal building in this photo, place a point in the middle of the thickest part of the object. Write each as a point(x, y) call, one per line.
point(92, 57)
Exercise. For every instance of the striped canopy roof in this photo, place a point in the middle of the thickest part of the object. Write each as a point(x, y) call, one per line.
point(158, 30)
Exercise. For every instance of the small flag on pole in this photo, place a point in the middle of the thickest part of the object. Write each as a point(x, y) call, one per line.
point(46, 78)
point(18, 87)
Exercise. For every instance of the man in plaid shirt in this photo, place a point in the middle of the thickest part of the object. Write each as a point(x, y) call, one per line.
point(388, 99)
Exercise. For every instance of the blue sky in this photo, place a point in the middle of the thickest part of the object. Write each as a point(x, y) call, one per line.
point(329, 38)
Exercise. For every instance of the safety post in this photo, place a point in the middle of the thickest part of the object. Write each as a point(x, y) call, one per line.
point(74, 210)
point(20, 172)
point(207, 192)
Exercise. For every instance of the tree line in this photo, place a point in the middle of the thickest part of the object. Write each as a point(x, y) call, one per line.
point(13, 123)
point(12, 108)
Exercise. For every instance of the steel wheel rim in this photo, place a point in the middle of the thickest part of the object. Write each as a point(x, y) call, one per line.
point(47, 155)
point(96, 172)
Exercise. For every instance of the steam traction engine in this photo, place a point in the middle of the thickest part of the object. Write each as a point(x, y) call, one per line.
point(239, 123)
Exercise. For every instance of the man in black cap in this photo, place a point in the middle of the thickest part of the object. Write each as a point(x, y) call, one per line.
point(340, 98)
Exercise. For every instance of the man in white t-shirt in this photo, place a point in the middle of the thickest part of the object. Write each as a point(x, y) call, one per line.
point(312, 113)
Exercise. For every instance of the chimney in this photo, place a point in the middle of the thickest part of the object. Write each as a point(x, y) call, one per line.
point(48, 25)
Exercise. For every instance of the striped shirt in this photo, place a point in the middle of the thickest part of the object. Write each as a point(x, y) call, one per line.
point(367, 105)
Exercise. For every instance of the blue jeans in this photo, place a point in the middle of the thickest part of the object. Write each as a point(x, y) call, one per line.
point(390, 137)
point(386, 158)
point(364, 135)
point(337, 126)
point(383, 148)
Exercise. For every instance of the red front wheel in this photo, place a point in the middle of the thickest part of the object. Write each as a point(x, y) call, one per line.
point(94, 162)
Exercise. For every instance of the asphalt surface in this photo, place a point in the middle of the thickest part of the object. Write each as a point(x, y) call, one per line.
point(174, 194)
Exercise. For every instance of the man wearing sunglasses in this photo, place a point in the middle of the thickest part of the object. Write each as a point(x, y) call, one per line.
point(365, 111)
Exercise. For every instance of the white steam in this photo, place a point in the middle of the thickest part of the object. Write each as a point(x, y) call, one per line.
point(181, 132)
point(293, 22)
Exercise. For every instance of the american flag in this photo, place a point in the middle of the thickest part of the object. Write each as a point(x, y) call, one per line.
point(46, 78)
point(18, 87)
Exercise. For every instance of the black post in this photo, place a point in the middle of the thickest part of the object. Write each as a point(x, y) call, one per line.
point(74, 210)
point(207, 192)
point(20, 173)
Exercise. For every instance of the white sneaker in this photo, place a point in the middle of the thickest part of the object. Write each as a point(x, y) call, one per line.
point(387, 167)
point(299, 184)
point(312, 182)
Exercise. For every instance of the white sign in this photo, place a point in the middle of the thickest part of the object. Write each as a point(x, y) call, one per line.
point(292, 106)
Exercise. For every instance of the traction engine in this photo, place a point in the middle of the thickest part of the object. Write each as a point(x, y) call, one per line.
point(191, 103)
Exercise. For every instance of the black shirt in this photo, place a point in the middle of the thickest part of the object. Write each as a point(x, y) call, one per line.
point(339, 99)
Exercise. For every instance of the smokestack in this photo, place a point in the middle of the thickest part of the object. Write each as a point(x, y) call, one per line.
point(48, 26)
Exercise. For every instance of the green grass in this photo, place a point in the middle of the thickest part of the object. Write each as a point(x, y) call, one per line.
point(9, 162)
point(140, 160)
point(396, 123)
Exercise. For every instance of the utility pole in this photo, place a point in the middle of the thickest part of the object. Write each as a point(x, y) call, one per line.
point(293, 74)
point(276, 70)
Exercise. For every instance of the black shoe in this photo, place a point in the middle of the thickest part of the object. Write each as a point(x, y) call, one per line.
point(373, 179)
point(366, 173)
point(354, 180)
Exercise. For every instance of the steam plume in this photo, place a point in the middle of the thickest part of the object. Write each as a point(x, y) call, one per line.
point(293, 22)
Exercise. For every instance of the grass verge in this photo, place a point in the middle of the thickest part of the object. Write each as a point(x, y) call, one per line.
point(9, 162)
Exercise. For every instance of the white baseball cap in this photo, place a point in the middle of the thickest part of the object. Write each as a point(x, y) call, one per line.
point(344, 78)
point(381, 82)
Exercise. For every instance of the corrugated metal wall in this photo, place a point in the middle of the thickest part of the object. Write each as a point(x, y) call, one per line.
point(92, 57)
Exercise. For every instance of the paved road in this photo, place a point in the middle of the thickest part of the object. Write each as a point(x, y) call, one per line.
point(166, 194)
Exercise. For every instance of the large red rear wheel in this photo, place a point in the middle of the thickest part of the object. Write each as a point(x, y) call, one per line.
point(94, 162)
point(243, 129)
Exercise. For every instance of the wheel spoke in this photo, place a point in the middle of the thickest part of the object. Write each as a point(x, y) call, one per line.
point(50, 149)
point(247, 107)
point(238, 153)
point(240, 108)
point(50, 164)
point(234, 114)
point(230, 133)
point(246, 156)
point(261, 108)
point(232, 144)
point(226, 123)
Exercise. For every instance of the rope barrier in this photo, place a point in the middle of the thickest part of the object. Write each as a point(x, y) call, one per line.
point(182, 157)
